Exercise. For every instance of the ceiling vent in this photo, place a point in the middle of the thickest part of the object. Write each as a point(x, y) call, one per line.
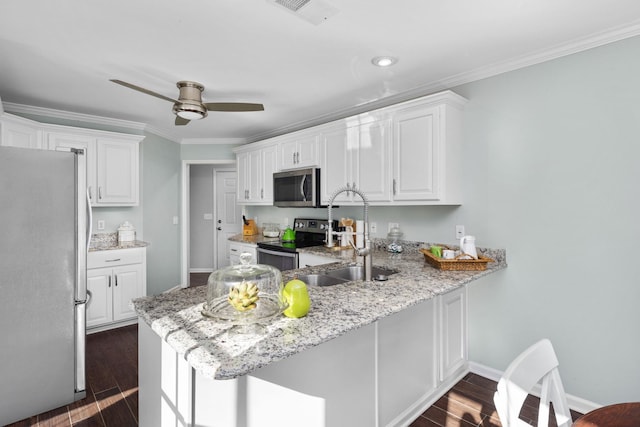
point(313, 11)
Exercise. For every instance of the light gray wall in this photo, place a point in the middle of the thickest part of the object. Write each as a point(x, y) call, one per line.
point(551, 174)
point(556, 184)
point(200, 229)
point(160, 182)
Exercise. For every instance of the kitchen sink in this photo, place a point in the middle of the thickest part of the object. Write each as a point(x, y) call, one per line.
point(356, 272)
point(321, 279)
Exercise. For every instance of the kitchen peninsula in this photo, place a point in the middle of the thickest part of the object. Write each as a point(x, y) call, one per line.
point(367, 354)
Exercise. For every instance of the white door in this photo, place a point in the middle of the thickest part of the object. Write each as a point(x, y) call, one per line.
point(228, 214)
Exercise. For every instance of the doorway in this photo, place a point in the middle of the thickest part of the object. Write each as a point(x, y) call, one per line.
point(209, 212)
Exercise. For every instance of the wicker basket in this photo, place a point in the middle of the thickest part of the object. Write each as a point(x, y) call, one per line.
point(456, 264)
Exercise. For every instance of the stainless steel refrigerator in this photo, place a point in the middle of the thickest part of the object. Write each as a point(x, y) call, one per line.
point(44, 217)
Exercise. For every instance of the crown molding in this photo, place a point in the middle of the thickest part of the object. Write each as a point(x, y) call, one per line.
point(214, 141)
point(68, 115)
point(532, 58)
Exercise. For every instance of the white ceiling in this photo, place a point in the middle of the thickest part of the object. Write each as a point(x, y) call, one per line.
point(61, 54)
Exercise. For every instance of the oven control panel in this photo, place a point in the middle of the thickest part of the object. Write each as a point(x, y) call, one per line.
point(312, 225)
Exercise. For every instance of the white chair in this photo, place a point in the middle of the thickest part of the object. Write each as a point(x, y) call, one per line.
point(538, 362)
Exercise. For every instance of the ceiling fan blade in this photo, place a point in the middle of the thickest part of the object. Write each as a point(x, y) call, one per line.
point(233, 106)
point(143, 90)
point(181, 121)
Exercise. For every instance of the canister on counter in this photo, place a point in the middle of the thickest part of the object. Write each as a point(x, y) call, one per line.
point(126, 234)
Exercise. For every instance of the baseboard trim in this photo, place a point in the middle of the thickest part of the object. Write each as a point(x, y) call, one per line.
point(200, 270)
point(576, 403)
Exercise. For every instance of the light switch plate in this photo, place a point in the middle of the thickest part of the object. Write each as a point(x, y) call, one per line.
point(100, 224)
point(208, 216)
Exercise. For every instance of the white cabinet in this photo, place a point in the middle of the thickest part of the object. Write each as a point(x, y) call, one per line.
point(427, 150)
point(19, 132)
point(57, 140)
point(422, 352)
point(356, 156)
point(453, 336)
point(114, 278)
point(255, 175)
point(299, 151)
point(112, 163)
point(306, 259)
point(117, 172)
point(407, 359)
point(237, 248)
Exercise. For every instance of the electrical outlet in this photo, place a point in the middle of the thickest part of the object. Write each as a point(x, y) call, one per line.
point(100, 224)
point(373, 227)
point(459, 231)
point(175, 220)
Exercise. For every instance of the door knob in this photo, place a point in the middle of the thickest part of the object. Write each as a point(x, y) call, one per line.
point(219, 228)
point(219, 221)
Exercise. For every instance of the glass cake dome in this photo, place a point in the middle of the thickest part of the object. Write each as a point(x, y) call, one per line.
point(244, 294)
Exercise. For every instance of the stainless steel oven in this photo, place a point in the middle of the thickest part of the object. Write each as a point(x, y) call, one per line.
point(284, 255)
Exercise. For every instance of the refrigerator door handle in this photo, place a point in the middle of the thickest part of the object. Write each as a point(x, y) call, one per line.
point(80, 356)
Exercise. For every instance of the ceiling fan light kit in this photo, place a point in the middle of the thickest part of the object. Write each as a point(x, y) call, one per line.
point(189, 105)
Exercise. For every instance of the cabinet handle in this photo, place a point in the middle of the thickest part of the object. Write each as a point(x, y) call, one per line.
point(90, 193)
point(100, 192)
point(294, 157)
point(116, 280)
point(262, 193)
point(297, 157)
point(109, 284)
point(394, 187)
point(112, 260)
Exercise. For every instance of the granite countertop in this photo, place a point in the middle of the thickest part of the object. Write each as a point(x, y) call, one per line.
point(109, 241)
point(255, 239)
point(209, 348)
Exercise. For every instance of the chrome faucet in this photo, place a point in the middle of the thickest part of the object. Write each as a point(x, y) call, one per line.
point(365, 252)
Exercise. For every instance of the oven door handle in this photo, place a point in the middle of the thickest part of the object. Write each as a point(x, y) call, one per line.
point(278, 253)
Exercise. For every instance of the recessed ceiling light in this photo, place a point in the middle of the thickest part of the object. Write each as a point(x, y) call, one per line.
point(384, 61)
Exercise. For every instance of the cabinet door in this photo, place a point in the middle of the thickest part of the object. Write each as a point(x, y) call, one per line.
point(18, 132)
point(87, 143)
point(289, 154)
point(269, 166)
point(117, 172)
point(307, 151)
point(243, 168)
point(371, 165)
point(254, 174)
point(453, 318)
point(407, 359)
point(416, 154)
point(100, 305)
point(127, 286)
point(335, 168)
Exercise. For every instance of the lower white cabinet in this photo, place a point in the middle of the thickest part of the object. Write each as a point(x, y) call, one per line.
point(114, 278)
point(422, 352)
point(236, 248)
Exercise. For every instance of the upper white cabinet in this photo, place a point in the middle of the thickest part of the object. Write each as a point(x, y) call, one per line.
point(405, 154)
point(356, 155)
point(427, 150)
point(112, 163)
point(299, 151)
point(20, 132)
point(117, 172)
point(255, 174)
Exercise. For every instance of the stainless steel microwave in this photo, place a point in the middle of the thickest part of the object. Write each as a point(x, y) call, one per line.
point(298, 188)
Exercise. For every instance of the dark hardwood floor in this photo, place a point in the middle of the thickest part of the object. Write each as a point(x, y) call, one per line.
point(198, 279)
point(112, 391)
point(112, 385)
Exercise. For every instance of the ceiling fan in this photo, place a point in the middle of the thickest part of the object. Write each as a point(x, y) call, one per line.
point(189, 105)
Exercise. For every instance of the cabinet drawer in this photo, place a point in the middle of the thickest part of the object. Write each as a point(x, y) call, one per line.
point(112, 258)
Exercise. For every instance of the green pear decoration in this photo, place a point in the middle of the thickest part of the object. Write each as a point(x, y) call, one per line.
point(296, 294)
